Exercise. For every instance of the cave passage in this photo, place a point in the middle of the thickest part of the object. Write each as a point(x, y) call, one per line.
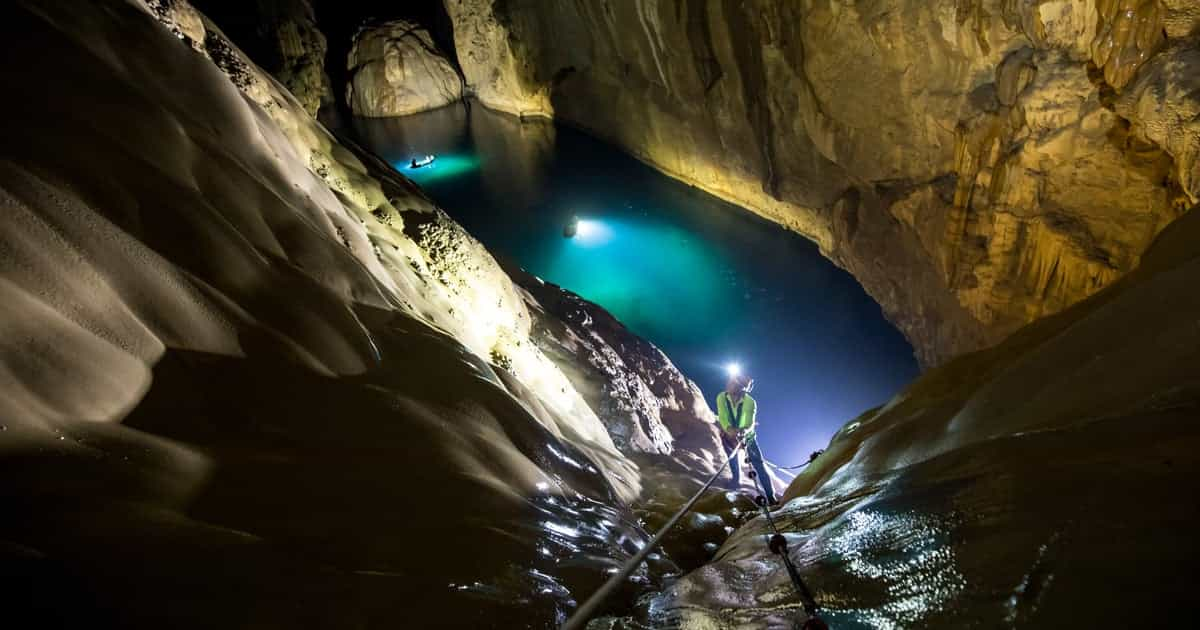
point(706, 281)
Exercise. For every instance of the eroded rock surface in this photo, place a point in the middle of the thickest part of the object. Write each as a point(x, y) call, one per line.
point(395, 69)
point(959, 158)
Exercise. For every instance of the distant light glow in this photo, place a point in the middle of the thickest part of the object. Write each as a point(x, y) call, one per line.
point(733, 369)
point(591, 232)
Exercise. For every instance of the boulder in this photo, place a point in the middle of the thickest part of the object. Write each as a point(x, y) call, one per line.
point(395, 69)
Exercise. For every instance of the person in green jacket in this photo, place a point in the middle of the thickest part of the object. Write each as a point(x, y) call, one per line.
point(736, 415)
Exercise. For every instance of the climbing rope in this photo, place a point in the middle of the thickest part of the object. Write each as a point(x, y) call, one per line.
point(778, 545)
point(584, 612)
point(811, 459)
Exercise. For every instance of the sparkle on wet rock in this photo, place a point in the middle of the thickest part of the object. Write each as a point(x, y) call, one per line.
point(909, 554)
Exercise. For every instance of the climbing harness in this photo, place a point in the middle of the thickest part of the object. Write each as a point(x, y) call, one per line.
point(778, 545)
point(811, 459)
point(584, 612)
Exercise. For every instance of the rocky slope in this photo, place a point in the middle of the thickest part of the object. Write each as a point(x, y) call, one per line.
point(975, 164)
point(1047, 482)
point(649, 407)
point(395, 69)
point(251, 378)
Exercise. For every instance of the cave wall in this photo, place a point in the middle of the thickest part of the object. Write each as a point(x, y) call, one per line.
point(976, 165)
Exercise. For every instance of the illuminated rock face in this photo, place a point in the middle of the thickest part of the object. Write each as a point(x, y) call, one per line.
point(395, 69)
point(956, 157)
point(1164, 103)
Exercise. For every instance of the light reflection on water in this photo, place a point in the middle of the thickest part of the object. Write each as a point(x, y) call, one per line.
point(446, 166)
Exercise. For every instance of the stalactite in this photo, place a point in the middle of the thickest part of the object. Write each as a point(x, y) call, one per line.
point(1130, 31)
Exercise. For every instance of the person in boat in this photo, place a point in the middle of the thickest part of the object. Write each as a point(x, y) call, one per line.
point(425, 161)
point(737, 417)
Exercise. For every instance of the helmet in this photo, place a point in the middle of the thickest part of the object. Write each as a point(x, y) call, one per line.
point(740, 382)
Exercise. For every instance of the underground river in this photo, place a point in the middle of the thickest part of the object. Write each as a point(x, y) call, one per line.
point(706, 281)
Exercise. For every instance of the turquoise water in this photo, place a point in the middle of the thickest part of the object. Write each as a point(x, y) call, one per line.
point(706, 281)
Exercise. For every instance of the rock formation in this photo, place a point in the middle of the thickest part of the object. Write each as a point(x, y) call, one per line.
point(959, 158)
point(395, 69)
point(649, 408)
point(253, 378)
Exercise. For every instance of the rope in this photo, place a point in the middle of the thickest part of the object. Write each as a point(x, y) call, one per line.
point(584, 612)
point(778, 545)
point(811, 459)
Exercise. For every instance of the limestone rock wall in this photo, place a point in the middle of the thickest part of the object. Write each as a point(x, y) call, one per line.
point(301, 47)
point(965, 160)
point(283, 37)
point(395, 69)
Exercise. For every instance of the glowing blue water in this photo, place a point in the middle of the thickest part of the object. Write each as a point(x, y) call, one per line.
point(706, 281)
point(447, 166)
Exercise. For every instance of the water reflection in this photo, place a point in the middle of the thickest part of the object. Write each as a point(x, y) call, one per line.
point(522, 153)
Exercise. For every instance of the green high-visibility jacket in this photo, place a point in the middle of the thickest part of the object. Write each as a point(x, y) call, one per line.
point(740, 416)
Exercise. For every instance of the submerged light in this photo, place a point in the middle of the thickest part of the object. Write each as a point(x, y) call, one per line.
point(588, 232)
point(733, 369)
point(588, 228)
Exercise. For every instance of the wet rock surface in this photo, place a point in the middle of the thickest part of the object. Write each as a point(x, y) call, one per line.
point(395, 69)
point(964, 160)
